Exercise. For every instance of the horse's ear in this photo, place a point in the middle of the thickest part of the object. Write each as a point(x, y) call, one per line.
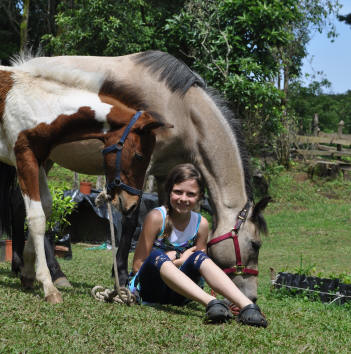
point(260, 206)
point(257, 217)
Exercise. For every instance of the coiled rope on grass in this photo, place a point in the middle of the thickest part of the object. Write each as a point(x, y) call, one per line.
point(120, 294)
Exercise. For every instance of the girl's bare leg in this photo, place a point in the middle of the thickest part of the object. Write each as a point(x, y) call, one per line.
point(182, 284)
point(222, 284)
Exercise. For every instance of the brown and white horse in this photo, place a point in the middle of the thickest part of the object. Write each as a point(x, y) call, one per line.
point(44, 108)
point(205, 133)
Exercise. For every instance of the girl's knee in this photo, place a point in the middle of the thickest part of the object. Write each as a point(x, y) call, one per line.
point(197, 258)
point(157, 258)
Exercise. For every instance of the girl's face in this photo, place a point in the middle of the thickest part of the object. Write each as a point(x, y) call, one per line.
point(184, 196)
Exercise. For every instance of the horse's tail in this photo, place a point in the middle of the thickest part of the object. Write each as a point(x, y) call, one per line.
point(8, 181)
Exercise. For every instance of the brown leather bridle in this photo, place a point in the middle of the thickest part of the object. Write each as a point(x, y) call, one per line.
point(239, 268)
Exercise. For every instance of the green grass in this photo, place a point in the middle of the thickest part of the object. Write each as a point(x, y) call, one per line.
point(308, 219)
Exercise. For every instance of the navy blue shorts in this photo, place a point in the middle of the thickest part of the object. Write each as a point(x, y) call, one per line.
point(152, 287)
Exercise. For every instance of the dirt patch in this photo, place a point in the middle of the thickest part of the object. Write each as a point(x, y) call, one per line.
point(301, 177)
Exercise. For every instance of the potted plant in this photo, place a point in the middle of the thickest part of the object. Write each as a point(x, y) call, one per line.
point(56, 224)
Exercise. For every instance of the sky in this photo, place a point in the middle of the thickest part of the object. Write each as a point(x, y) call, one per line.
point(334, 59)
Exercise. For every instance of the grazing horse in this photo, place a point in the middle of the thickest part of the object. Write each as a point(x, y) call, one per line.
point(205, 133)
point(44, 108)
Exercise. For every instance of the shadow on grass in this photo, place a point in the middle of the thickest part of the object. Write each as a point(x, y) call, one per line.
point(178, 310)
point(80, 286)
point(7, 272)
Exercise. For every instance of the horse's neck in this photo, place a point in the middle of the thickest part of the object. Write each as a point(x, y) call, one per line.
point(218, 157)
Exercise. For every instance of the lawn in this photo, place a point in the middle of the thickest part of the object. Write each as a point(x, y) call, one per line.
point(307, 220)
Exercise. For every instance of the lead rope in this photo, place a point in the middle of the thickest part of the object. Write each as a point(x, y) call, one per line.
point(120, 294)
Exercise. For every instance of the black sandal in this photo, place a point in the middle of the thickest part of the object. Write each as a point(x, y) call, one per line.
point(251, 315)
point(217, 311)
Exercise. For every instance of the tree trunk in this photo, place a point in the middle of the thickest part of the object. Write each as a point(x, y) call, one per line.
point(24, 25)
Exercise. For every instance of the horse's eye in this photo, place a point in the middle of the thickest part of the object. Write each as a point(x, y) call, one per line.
point(256, 245)
point(138, 156)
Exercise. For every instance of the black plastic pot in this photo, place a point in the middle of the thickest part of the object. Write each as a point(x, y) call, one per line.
point(326, 289)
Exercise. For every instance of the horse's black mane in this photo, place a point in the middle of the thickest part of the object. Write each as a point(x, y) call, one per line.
point(179, 78)
point(237, 129)
point(177, 75)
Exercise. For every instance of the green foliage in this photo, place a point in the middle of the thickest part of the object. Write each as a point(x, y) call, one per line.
point(243, 48)
point(308, 269)
point(331, 108)
point(230, 44)
point(9, 33)
point(104, 27)
point(61, 208)
point(247, 49)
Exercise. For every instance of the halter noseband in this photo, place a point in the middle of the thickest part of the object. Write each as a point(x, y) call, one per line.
point(119, 147)
point(239, 268)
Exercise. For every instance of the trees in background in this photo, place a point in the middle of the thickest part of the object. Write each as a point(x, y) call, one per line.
point(250, 50)
point(23, 24)
point(106, 27)
point(306, 101)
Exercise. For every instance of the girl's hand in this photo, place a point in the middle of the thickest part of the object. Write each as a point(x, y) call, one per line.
point(172, 255)
point(185, 255)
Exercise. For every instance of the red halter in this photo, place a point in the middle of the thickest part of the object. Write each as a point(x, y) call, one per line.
point(239, 268)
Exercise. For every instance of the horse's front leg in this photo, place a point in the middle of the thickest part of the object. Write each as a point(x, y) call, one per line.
point(28, 177)
point(129, 225)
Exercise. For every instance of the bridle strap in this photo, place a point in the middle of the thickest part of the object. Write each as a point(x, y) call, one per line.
point(238, 269)
point(119, 147)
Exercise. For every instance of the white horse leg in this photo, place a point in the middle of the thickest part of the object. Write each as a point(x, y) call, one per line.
point(28, 271)
point(45, 195)
point(36, 224)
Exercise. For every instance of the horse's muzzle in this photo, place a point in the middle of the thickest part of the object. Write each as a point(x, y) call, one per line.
point(125, 203)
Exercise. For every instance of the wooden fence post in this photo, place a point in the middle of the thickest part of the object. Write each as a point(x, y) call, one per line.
point(340, 128)
point(315, 124)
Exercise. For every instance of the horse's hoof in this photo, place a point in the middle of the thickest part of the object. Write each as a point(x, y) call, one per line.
point(62, 282)
point(54, 298)
point(27, 283)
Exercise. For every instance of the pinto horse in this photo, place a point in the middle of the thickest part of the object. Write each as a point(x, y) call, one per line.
point(45, 108)
point(205, 133)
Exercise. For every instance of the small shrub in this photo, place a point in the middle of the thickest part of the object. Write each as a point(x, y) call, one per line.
point(61, 208)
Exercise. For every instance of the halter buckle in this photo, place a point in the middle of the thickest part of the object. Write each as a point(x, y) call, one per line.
point(117, 182)
point(239, 270)
point(119, 145)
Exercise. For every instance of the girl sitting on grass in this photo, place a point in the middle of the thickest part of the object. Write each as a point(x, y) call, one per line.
point(170, 256)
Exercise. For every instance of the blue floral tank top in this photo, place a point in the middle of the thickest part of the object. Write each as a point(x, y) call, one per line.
point(162, 242)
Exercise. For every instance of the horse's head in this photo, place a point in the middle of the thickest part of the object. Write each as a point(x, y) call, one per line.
point(237, 253)
point(127, 153)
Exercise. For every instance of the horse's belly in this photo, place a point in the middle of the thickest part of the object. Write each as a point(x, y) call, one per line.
point(82, 156)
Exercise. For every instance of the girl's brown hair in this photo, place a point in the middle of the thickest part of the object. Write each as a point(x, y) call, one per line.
point(179, 174)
